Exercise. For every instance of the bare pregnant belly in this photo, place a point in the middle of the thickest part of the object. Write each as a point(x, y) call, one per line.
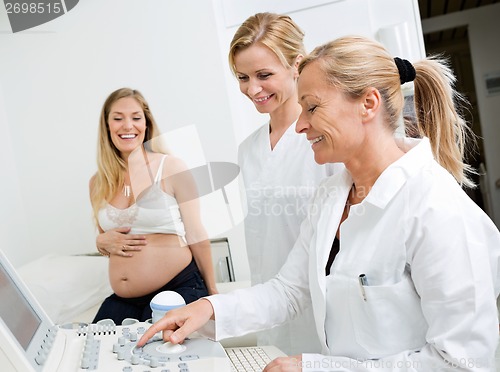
point(150, 269)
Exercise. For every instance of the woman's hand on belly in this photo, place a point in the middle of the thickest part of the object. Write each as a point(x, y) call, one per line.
point(118, 242)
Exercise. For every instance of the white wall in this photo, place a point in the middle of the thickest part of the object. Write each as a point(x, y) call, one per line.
point(484, 36)
point(56, 76)
point(12, 213)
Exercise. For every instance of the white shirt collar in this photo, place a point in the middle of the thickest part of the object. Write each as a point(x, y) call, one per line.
point(417, 153)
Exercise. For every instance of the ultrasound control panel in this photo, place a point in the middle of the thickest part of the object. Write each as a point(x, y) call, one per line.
point(107, 347)
point(31, 342)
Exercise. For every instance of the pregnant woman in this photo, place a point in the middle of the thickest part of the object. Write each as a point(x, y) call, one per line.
point(147, 214)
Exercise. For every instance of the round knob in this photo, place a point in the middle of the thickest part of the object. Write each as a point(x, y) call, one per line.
point(135, 359)
point(85, 363)
point(169, 348)
point(153, 362)
point(120, 355)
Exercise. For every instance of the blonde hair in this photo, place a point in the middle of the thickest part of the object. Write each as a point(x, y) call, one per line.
point(354, 63)
point(278, 32)
point(110, 165)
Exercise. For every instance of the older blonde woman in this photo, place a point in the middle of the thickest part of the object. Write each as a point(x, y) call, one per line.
point(414, 284)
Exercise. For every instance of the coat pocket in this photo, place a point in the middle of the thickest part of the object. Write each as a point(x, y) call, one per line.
point(390, 320)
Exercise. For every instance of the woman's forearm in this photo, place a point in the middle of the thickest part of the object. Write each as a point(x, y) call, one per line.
point(202, 254)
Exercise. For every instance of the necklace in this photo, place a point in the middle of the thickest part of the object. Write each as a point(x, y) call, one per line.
point(126, 191)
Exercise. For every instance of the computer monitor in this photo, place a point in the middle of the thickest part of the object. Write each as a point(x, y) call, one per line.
point(23, 322)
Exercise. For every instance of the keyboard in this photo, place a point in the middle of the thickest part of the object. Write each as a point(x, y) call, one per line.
point(251, 359)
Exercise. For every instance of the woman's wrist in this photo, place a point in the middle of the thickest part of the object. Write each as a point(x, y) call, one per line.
point(103, 252)
point(212, 289)
point(98, 242)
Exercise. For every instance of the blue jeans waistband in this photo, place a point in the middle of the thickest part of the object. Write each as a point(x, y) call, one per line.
point(177, 281)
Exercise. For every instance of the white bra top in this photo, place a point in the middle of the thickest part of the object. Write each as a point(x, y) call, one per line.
point(154, 212)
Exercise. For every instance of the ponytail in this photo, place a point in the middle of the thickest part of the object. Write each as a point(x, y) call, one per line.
point(437, 106)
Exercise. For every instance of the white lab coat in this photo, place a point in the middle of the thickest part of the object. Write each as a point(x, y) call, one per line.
point(431, 257)
point(279, 184)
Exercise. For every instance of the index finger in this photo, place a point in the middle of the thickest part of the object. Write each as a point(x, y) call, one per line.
point(151, 331)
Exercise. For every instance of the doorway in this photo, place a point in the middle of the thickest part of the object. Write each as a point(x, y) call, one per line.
point(453, 44)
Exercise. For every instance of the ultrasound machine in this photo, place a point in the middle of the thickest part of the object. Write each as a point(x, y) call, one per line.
point(30, 341)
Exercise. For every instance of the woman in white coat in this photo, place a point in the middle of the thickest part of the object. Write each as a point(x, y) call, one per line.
point(414, 284)
point(277, 164)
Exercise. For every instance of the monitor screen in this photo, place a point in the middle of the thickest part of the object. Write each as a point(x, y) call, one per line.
point(16, 312)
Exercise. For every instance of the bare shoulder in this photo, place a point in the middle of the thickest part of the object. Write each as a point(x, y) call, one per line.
point(174, 165)
point(180, 178)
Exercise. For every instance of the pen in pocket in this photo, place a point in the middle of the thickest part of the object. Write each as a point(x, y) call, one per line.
point(362, 283)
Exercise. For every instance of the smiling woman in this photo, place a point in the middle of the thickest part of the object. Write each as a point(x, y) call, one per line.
point(277, 164)
point(149, 226)
point(400, 265)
